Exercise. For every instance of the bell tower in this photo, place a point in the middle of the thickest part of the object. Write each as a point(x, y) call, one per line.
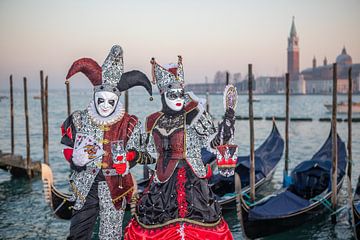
point(293, 53)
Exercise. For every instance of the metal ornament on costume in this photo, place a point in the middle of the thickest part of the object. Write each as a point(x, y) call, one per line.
point(226, 154)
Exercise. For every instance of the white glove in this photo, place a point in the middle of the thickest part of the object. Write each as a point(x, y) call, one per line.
point(80, 157)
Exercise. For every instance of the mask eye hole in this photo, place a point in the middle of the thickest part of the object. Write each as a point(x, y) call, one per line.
point(112, 102)
point(172, 95)
point(100, 100)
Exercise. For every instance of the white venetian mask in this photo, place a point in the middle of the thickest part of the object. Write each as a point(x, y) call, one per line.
point(105, 102)
point(174, 98)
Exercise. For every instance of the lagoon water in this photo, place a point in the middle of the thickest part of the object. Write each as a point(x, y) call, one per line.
point(25, 215)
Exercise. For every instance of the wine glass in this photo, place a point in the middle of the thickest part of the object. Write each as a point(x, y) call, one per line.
point(118, 155)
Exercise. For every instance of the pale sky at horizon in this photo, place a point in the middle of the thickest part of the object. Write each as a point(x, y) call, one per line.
point(210, 35)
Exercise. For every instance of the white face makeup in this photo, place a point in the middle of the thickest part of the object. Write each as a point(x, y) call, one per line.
point(105, 102)
point(174, 98)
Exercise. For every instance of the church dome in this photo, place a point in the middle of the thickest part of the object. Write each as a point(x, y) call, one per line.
point(344, 58)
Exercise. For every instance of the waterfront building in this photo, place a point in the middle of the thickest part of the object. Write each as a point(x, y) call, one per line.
point(319, 79)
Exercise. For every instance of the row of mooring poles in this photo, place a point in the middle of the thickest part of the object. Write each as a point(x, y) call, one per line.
point(44, 110)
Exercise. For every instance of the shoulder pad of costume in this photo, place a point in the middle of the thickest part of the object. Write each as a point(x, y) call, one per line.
point(151, 120)
point(191, 106)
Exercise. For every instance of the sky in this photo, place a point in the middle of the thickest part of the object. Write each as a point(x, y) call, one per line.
point(210, 35)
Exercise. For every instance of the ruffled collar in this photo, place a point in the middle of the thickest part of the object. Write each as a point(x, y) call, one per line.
point(109, 120)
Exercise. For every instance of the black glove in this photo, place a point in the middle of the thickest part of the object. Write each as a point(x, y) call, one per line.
point(226, 127)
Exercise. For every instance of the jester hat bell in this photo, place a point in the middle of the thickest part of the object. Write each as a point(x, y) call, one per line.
point(110, 76)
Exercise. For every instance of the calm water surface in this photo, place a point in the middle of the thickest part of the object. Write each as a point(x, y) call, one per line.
point(25, 215)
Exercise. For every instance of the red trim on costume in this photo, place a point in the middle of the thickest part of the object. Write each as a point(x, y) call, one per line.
point(181, 195)
point(190, 106)
point(133, 120)
point(209, 172)
point(173, 70)
point(69, 133)
point(68, 153)
point(62, 130)
point(189, 231)
point(151, 120)
point(130, 156)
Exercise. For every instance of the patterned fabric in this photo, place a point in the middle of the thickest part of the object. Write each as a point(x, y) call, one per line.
point(110, 218)
point(81, 181)
point(164, 78)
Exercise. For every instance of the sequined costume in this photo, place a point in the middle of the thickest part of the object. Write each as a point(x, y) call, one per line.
point(178, 204)
point(97, 187)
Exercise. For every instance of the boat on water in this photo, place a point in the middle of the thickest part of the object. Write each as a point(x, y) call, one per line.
point(356, 210)
point(62, 203)
point(305, 199)
point(342, 107)
point(36, 97)
point(267, 156)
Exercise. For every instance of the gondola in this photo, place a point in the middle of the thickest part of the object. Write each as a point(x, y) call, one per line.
point(62, 203)
point(356, 210)
point(305, 199)
point(267, 156)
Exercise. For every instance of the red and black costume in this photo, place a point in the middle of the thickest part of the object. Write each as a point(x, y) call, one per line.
point(178, 204)
point(98, 188)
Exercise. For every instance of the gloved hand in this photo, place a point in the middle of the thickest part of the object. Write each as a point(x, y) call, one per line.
point(226, 127)
point(80, 157)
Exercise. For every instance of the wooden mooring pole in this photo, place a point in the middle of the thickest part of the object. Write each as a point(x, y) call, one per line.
point(334, 146)
point(126, 101)
point(287, 91)
point(28, 159)
point(12, 116)
point(67, 83)
point(349, 126)
point(42, 91)
point(46, 127)
point(227, 78)
point(251, 122)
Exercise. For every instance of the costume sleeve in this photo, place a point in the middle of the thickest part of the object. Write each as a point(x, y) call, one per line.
point(205, 128)
point(68, 133)
point(148, 153)
point(134, 143)
point(137, 143)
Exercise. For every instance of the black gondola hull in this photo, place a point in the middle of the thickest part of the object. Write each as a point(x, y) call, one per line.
point(356, 215)
point(261, 228)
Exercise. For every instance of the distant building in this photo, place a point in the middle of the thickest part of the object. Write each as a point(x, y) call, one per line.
point(270, 85)
point(218, 85)
point(314, 80)
point(293, 62)
point(319, 79)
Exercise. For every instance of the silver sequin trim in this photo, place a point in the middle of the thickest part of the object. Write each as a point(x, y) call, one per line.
point(110, 218)
point(83, 180)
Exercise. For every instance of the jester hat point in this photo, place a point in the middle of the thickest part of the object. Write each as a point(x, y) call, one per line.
point(168, 77)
